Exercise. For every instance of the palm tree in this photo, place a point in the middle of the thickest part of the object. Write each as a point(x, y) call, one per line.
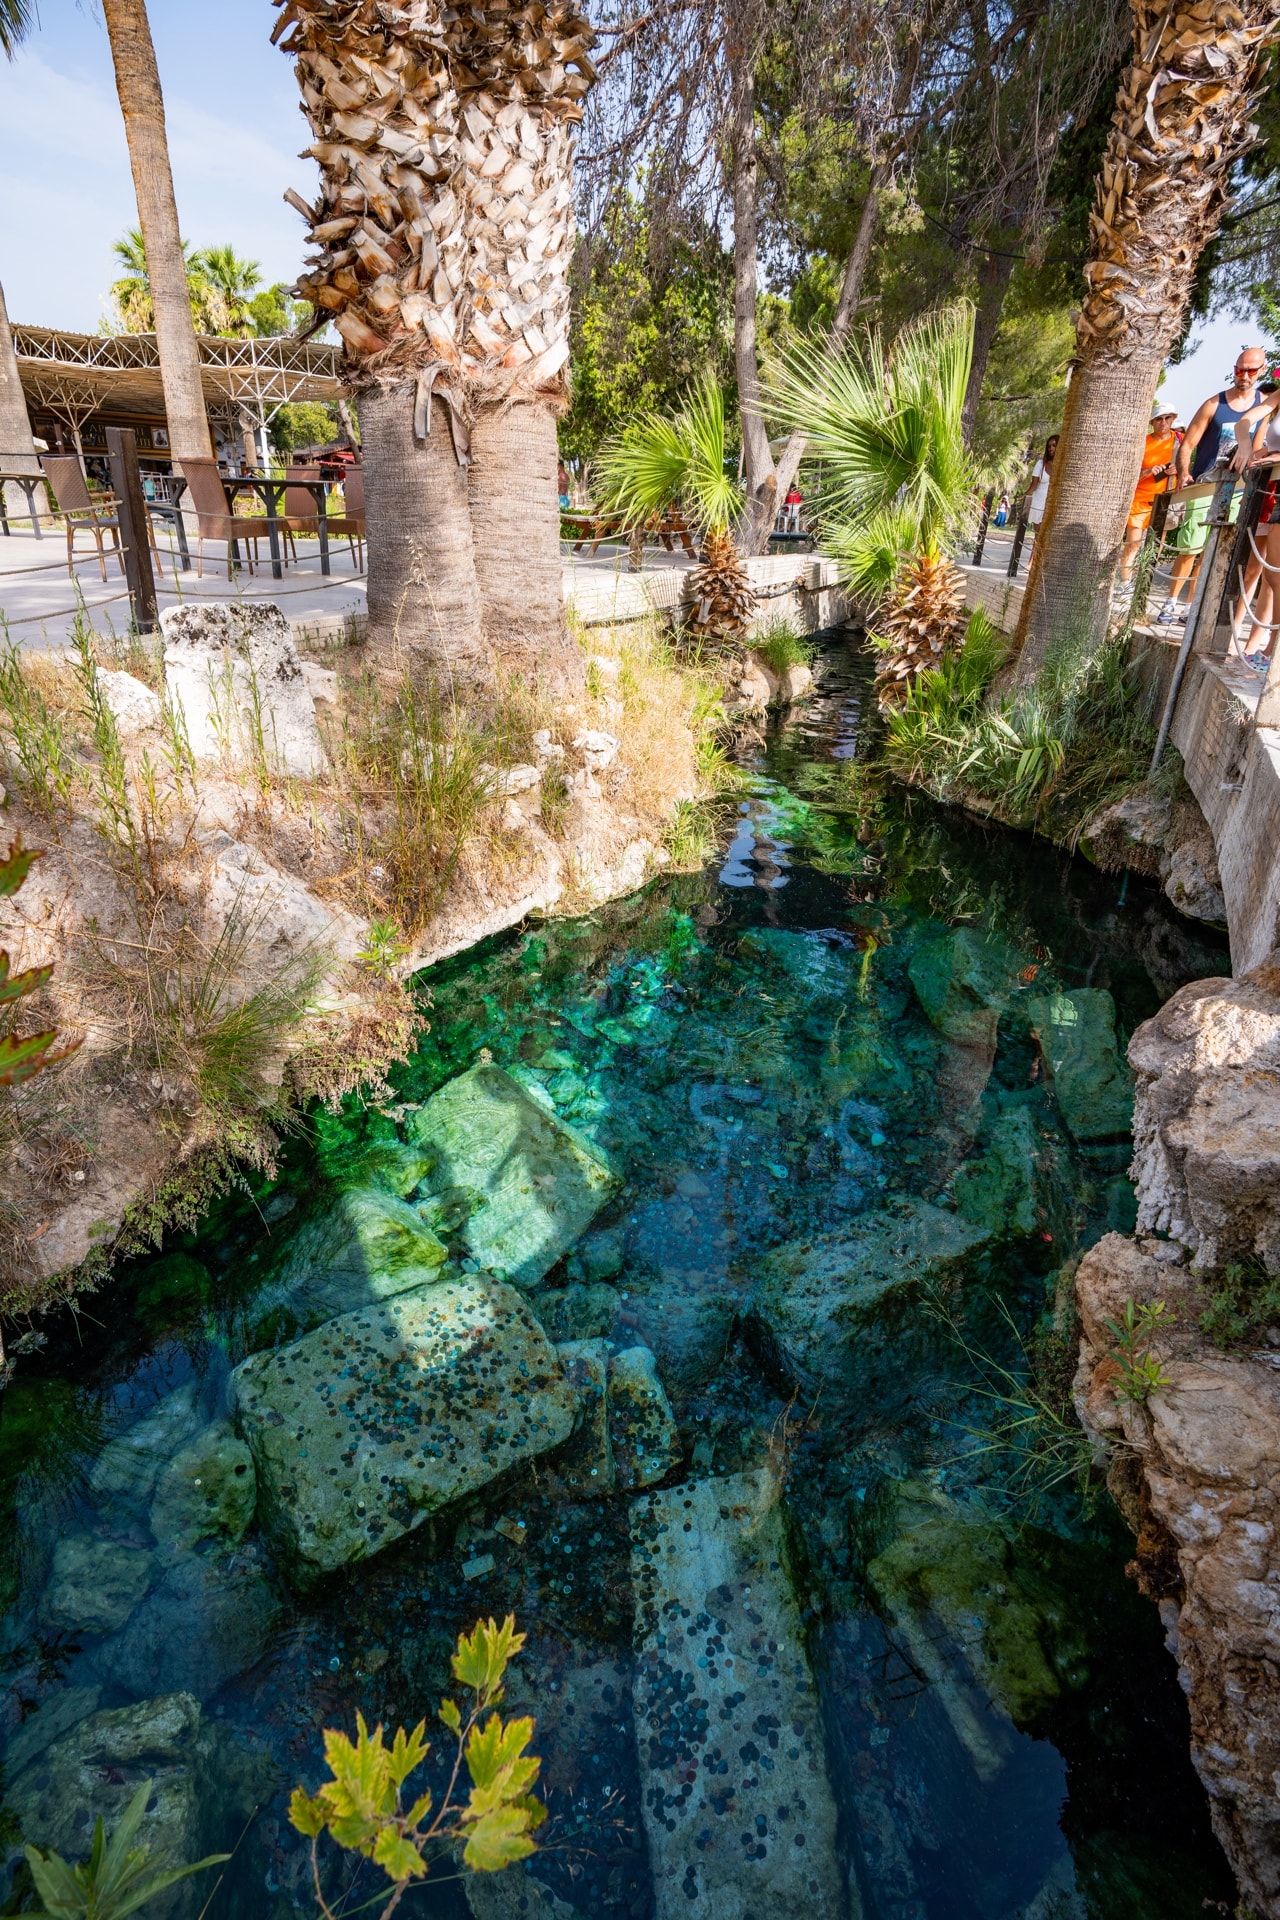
point(16, 20)
point(1181, 124)
point(142, 104)
point(896, 479)
point(659, 461)
point(227, 285)
point(443, 230)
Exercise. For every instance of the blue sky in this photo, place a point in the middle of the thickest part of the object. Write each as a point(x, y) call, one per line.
point(234, 133)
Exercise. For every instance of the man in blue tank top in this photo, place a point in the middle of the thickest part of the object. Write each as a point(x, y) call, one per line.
point(1212, 431)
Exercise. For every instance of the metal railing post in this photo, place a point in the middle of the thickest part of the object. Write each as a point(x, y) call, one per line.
point(1020, 534)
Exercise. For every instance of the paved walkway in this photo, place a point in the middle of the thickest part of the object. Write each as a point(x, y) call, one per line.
point(38, 600)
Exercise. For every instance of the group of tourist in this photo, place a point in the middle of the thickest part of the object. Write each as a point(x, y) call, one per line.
point(1185, 460)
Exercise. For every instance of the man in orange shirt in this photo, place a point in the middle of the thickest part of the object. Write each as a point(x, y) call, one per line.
point(1158, 456)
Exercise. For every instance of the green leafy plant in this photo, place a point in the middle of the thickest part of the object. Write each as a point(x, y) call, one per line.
point(1141, 1374)
point(361, 1807)
point(663, 459)
point(111, 777)
point(384, 947)
point(115, 1880)
point(37, 747)
point(1244, 1304)
point(780, 647)
point(23, 1056)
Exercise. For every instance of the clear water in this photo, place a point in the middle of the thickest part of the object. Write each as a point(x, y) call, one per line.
point(746, 1044)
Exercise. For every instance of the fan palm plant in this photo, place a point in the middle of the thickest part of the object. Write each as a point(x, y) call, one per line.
point(896, 480)
point(16, 20)
point(658, 461)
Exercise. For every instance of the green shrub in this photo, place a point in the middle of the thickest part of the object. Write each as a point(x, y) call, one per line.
point(1244, 1302)
point(780, 647)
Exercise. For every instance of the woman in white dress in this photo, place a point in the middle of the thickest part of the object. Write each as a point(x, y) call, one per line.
point(1257, 444)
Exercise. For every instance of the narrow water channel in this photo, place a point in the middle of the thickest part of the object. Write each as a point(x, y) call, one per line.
point(825, 1039)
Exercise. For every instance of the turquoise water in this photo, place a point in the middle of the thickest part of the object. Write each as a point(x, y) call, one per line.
point(750, 1047)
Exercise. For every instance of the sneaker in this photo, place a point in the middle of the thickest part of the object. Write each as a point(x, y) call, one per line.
point(1171, 615)
point(1260, 662)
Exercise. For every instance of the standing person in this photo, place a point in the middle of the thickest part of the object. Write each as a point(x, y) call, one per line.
point(1037, 494)
point(794, 502)
point(565, 486)
point(1002, 511)
point(1258, 444)
point(1158, 456)
point(1197, 457)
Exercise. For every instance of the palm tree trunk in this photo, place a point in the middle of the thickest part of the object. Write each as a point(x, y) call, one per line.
point(1181, 123)
point(424, 599)
point(142, 104)
point(515, 524)
point(444, 231)
point(761, 479)
point(993, 284)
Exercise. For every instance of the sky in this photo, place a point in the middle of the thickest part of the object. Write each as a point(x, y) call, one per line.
point(234, 133)
point(235, 129)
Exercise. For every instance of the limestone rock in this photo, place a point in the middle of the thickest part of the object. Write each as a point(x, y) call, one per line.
point(206, 1621)
point(738, 1809)
point(843, 1310)
point(206, 1493)
point(363, 1246)
point(796, 683)
point(55, 1716)
point(963, 982)
point(1207, 1118)
point(1077, 1033)
point(95, 1584)
point(751, 689)
point(1206, 1456)
point(527, 1184)
point(1130, 833)
point(597, 750)
point(130, 1466)
point(275, 920)
point(1193, 882)
point(586, 1463)
point(363, 1429)
point(642, 1427)
point(322, 682)
point(136, 708)
point(233, 669)
point(598, 1256)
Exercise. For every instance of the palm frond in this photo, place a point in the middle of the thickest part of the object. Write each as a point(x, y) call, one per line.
point(659, 460)
point(887, 426)
point(17, 17)
point(871, 553)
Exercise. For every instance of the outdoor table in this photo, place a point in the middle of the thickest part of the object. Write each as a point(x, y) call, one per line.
point(169, 509)
point(270, 492)
point(28, 482)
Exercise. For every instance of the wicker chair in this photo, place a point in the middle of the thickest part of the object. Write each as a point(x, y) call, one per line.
point(83, 511)
point(214, 520)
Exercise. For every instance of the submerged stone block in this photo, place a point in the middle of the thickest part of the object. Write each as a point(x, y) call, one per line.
point(206, 1493)
point(364, 1246)
point(95, 1584)
point(206, 1621)
point(963, 982)
point(1091, 1083)
point(1014, 1187)
point(844, 1310)
point(526, 1185)
point(738, 1809)
point(642, 1428)
point(130, 1465)
point(363, 1429)
point(586, 1465)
